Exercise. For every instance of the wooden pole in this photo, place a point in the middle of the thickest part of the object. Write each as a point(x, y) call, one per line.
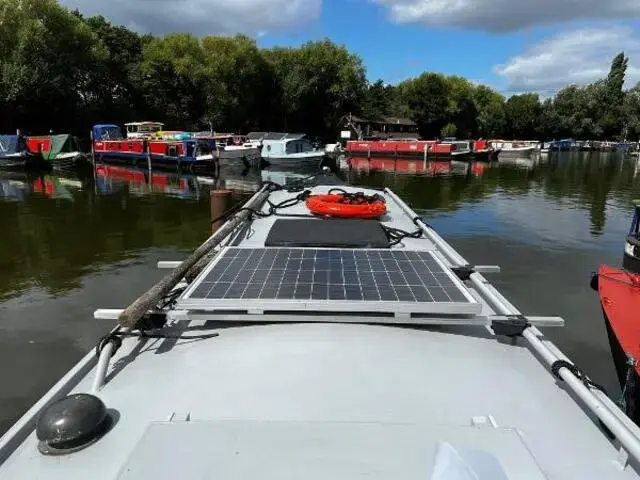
point(133, 313)
point(219, 204)
point(149, 162)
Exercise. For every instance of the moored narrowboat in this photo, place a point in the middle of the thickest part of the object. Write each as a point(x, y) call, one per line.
point(619, 291)
point(15, 154)
point(189, 153)
point(61, 151)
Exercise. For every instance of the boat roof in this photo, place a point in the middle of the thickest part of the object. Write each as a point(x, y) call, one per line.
point(278, 137)
point(144, 123)
point(283, 394)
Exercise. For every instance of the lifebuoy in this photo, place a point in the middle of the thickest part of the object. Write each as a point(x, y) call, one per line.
point(347, 205)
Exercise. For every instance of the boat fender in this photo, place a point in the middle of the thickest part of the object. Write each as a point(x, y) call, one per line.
point(595, 282)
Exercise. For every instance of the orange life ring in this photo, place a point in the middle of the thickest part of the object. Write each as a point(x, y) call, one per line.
point(337, 205)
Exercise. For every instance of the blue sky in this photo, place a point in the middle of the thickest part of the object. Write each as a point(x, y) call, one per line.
point(512, 45)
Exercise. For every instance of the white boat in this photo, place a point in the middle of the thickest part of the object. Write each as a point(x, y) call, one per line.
point(514, 149)
point(289, 148)
point(324, 362)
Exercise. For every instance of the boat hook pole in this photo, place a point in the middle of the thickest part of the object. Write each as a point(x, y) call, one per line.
point(600, 405)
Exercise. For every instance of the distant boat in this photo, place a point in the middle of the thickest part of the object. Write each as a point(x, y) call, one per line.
point(61, 151)
point(517, 149)
point(15, 154)
point(463, 148)
point(231, 147)
point(176, 150)
point(289, 147)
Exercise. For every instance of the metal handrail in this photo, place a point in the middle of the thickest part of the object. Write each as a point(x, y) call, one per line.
point(627, 434)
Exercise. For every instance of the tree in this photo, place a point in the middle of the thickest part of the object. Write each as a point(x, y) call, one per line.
point(318, 83)
point(449, 130)
point(428, 98)
point(461, 106)
point(45, 56)
point(523, 113)
point(171, 74)
point(491, 119)
point(239, 84)
point(378, 100)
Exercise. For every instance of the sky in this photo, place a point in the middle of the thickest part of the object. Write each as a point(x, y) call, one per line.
point(514, 46)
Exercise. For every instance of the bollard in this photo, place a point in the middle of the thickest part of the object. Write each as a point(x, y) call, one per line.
point(220, 203)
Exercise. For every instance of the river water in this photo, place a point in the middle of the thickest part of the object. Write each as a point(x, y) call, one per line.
point(72, 243)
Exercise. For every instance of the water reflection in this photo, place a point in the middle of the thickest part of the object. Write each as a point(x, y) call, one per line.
point(138, 181)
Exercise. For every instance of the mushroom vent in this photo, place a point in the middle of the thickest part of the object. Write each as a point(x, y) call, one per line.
point(71, 424)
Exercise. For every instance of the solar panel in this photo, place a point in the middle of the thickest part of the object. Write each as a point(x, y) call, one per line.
point(355, 280)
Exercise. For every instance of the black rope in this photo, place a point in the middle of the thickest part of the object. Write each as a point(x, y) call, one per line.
point(294, 187)
point(577, 372)
point(116, 338)
point(395, 235)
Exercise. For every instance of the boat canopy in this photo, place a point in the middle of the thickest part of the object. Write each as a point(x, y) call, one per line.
point(52, 145)
point(107, 132)
point(9, 144)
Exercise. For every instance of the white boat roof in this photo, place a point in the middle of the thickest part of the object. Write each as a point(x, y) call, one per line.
point(144, 123)
point(327, 398)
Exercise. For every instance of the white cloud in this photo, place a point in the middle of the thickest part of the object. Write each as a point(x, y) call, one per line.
point(578, 57)
point(203, 17)
point(505, 15)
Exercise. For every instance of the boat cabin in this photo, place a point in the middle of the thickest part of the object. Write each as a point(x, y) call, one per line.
point(142, 129)
point(284, 144)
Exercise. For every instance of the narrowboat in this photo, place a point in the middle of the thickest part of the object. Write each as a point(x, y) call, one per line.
point(513, 149)
point(16, 155)
point(61, 151)
point(463, 148)
point(481, 150)
point(400, 148)
point(289, 148)
point(619, 292)
point(232, 148)
point(294, 345)
point(188, 153)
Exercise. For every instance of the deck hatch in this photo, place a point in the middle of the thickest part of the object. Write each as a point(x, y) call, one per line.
point(352, 280)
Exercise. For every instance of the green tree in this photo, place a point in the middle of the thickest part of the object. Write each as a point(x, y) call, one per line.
point(318, 83)
point(523, 114)
point(45, 56)
point(239, 84)
point(378, 100)
point(428, 98)
point(449, 130)
point(171, 76)
point(461, 107)
point(491, 118)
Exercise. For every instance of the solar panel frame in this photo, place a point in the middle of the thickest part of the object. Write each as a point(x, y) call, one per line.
point(339, 285)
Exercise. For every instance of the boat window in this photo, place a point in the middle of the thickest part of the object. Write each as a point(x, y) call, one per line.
point(110, 133)
point(150, 128)
point(268, 148)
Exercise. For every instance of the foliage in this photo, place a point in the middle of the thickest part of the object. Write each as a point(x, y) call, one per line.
point(61, 70)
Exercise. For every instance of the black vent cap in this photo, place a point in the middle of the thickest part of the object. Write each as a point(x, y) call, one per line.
point(71, 424)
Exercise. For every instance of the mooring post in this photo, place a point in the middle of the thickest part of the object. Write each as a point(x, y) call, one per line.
point(219, 205)
point(149, 163)
point(426, 156)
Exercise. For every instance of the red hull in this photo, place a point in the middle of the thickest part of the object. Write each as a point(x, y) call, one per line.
point(620, 297)
point(399, 148)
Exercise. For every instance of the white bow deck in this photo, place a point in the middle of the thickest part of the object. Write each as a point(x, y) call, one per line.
point(331, 399)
